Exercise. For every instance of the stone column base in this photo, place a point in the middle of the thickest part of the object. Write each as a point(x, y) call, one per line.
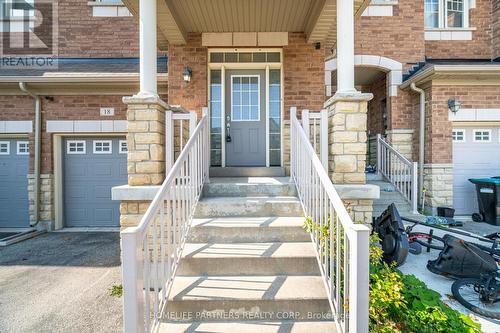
point(46, 200)
point(438, 186)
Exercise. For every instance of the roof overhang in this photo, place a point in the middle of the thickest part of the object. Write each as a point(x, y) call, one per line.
point(486, 74)
point(79, 83)
point(176, 18)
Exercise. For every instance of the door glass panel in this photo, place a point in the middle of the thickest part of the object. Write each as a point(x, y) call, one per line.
point(215, 117)
point(275, 117)
point(245, 98)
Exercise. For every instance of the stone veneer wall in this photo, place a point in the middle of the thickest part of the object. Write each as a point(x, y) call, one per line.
point(46, 200)
point(402, 141)
point(438, 185)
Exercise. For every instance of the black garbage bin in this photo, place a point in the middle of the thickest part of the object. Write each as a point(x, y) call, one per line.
point(488, 198)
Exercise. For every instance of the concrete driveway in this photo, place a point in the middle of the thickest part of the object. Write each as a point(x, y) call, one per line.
point(59, 282)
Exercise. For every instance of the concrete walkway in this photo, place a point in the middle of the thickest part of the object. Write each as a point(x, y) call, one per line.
point(58, 282)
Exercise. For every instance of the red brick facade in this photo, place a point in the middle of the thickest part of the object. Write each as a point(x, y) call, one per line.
point(495, 14)
point(478, 48)
point(82, 35)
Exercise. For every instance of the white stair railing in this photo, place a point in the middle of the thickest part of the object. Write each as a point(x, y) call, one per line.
point(315, 125)
point(151, 251)
point(342, 246)
point(399, 171)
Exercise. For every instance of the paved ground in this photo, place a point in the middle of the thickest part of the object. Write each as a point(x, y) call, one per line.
point(58, 282)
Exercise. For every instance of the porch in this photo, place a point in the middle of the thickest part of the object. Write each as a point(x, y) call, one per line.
point(250, 74)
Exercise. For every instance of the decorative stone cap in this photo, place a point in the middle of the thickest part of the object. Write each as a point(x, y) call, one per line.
point(358, 191)
point(134, 193)
point(144, 100)
point(348, 97)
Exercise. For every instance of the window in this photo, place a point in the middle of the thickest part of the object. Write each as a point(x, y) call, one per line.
point(458, 135)
point(274, 117)
point(482, 135)
point(229, 57)
point(4, 147)
point(102, 147)
point(123, 146)
point(444, 14)
point(23, 148)
point(215, 118)
point(75, 147)
point(245, 98)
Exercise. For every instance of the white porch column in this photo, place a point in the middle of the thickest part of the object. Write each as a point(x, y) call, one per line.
point(147, 32)
point(345, 46)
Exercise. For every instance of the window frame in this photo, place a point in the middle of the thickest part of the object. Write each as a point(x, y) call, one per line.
point(464, 135)
point(481, 130)
point(443, 14)
point(102, 152)
point(258, 97)
point(68, 144)
point(8, 148)
point(18, 146)
point(120, 147)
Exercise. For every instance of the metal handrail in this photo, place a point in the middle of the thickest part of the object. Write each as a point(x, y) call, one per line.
point(342, 246)
point(152, 250)
point(399, 171)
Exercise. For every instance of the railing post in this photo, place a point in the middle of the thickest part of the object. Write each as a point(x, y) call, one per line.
point(192, 122)
point(359, 271)
point(323, 139)
point(414, 187)
point(204, 112)
point(169, 141)
point(132, 279)
point(306, 123)
point(293, 116)
point(379, 154)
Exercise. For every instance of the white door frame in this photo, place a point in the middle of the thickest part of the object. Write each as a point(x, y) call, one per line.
point(253, 65)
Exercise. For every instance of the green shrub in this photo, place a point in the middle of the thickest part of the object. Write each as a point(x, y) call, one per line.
point(402, 303)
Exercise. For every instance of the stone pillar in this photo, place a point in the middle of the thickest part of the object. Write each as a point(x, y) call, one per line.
point(347, 140)
point(145, 158)
point(438, 186)
point(46, 205)
point(146, 140)
point(402, 141)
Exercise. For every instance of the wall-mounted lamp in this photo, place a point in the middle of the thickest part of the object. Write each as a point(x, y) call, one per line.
point(454, 105)
point(186, 75)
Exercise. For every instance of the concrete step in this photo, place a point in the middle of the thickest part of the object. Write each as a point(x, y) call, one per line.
point(249, 259)
point(248, 229)
point(264, 326)
point(248, 207)
point(222, 295)
point(247, 172)
point(249, 186)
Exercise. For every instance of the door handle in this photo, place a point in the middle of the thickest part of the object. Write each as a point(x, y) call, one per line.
point(228, 129)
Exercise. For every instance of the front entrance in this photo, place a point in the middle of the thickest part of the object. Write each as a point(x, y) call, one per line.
point(245, 114)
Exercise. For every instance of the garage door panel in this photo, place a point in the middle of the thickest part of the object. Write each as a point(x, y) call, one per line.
point(88, 181)
point(473, 160)
point(14, 188)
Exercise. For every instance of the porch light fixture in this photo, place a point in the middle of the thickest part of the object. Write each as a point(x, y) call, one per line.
point(454, 105)
point(187, 74)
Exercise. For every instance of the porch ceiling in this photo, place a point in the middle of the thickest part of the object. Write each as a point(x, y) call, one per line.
point(176, 18)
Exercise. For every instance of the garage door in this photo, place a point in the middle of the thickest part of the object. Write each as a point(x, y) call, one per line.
point(92, 166)
point(14, 161)
point(476, 153)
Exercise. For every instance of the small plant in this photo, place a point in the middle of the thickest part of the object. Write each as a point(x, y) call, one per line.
point(116, 290)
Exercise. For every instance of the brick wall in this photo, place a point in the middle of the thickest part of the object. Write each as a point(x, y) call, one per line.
point(192, 95)
point(400, 37)
point(304, 77)
point(82, 35)
point(477, 48)
point(495, 15)
point(375, 106)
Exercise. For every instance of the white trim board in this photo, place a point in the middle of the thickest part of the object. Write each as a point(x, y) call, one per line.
point(83, 126)
point(475, 115)
point(16, 126)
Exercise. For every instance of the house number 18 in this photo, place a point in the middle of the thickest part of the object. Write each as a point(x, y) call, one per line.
point(107, 112)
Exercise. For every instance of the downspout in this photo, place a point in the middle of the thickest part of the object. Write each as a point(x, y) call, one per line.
point(421, 140)
point(36, 185)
